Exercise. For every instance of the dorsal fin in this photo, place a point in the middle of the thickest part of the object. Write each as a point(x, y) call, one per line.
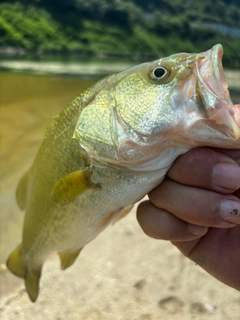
point(21, 193)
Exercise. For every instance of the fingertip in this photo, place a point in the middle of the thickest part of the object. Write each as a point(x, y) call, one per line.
point(197, 230)
point(160, 224)
point(208, 169)
point(146, 217)
point(226, 176)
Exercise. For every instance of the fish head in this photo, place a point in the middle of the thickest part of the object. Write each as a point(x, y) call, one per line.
point(177, 102)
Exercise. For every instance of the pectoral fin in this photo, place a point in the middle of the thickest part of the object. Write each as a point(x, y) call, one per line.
point(21, 193)
point(68, 258)
point(72, 185)
point(16, 264)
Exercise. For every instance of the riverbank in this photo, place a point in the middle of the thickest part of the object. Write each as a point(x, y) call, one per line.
point(80, 69)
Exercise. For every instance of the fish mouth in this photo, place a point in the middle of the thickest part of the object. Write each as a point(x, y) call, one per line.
point(212, 93)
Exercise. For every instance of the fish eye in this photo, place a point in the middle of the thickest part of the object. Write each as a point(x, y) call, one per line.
point(159, 74)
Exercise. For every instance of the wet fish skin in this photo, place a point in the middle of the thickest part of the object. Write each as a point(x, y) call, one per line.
point(112, 145)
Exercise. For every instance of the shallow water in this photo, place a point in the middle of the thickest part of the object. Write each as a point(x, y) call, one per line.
point(27, 104)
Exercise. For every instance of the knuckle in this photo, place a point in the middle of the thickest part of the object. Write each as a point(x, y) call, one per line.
point(162, 195)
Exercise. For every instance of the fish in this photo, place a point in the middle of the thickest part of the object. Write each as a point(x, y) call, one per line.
point(112, 145)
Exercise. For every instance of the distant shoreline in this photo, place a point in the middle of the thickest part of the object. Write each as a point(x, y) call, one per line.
point(13, 51)
point(81, 69)
point(89, 69)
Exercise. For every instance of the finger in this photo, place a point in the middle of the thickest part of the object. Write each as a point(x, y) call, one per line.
point(233, 154)
point(197, 206)
point(218, 253)
point(237, 193)
point(160, 224)
point(208, 169)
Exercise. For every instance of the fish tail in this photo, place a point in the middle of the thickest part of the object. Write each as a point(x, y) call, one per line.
point(17, 265)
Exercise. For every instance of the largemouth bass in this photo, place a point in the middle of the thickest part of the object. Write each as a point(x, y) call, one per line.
point(111, 146)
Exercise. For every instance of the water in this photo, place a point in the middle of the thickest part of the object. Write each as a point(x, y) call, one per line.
point(87, 68)
point(27, 104)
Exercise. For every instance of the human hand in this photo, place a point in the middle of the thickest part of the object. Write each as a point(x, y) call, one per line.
point(197, 208)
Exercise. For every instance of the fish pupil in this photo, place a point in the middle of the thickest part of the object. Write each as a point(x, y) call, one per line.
point(159, 72)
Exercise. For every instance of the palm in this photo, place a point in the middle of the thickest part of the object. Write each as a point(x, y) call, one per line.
point(218, 253)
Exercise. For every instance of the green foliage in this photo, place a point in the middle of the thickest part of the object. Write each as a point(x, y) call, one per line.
point(29, 27)
point(132, 27)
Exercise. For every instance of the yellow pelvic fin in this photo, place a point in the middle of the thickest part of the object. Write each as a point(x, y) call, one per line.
point(72, 185)
point(68, 258)
point(17, 266)
point(21, 193)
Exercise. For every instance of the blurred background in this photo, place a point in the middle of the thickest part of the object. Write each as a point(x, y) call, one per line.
point(132, 29)
point(50, 50)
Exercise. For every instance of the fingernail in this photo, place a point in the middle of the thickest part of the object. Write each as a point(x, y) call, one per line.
point(197, 230)
point(230, 211)
point(226, 176)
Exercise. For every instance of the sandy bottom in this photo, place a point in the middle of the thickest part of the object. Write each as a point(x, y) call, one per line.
point(122, 274)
